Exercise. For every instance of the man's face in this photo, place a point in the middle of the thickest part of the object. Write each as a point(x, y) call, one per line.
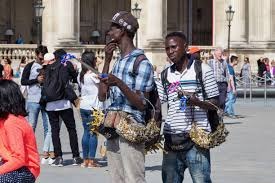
point(175, 48)
point(40, 57)
point(114, 33)
point(218, 54)
point(235, 62)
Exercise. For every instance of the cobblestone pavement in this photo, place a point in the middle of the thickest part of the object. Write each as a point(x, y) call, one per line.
point(247, 156)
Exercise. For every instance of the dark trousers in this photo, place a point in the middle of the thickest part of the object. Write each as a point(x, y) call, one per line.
point(21, 175)
point(68, 117)
point(223, 93)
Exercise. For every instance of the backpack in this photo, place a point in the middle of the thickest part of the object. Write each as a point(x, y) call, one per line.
point(153, 95)
point(212, 115)
point(53, 87)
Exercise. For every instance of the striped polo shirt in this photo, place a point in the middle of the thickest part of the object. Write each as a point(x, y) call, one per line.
point(177, 120)
point(220, 70)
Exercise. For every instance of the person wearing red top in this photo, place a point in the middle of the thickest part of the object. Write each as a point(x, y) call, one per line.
point(8, 71)
point(18, 150)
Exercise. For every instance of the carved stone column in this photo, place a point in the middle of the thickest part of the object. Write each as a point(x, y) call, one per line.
point(155, 22)
point(239, 28)
point(67, 12)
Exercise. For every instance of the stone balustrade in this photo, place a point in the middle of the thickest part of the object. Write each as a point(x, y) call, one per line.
point(17, 51)
point(99, 51)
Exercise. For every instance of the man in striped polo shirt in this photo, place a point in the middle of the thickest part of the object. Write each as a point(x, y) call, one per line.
point(221, 74)
point(182, 80)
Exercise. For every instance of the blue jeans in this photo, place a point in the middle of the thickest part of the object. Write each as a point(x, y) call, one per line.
point(33, 110)
point(229, 105)
point(89, 139)
point(197, 160)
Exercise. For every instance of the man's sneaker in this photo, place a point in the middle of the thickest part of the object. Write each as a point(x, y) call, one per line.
point(233, 116)
point(44, 161)
point(58, 162)
point(77, 161)
point(51, 160)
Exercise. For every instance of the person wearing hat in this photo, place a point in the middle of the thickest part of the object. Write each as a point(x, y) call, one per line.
point(195, 53)
point(33, 79)
point(126, 92)
point(56, 94)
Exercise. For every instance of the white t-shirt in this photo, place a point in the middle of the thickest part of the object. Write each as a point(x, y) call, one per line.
point(89, 92)
point(58, 105)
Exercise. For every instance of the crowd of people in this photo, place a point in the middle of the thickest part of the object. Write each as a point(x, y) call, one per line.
point(46, 88)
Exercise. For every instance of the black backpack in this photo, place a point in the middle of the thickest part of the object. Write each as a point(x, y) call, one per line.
point(212, 115)
point(53, 87)
point(153, 95)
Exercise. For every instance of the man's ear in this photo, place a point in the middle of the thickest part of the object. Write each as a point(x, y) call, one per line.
point(186, 47)
point(123, 32)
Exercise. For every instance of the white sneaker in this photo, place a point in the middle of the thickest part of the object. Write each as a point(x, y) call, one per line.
point(50, 161)
point(45, 161)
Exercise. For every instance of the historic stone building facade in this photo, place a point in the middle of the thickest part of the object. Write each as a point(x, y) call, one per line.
point(70, 23)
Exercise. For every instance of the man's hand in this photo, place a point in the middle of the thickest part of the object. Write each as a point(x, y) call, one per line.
point(193, 100)
point(234, 92)
point(40, 79)
point(109, 50)
point(111, 80)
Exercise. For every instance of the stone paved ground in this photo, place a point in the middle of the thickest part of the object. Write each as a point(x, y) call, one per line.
point(248, 156)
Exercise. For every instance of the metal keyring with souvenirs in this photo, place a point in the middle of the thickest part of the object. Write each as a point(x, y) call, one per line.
point(208, 140)
point(135, 132)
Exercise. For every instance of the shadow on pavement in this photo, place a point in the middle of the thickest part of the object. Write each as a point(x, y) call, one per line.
point(232, 123)
point(153, 168)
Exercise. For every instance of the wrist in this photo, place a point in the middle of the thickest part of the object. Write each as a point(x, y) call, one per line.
point(119, 83)
point(107, 60)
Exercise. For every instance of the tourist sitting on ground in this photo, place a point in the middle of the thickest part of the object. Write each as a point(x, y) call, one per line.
point(18, 150)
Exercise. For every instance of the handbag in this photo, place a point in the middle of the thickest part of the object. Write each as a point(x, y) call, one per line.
point(97, 125)
point(208, 140)
point(135, 132)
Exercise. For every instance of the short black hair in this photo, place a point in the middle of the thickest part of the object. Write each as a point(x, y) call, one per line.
point(233, 58)
point(59, 53)
point(12, 100)
point(177, 34)
point(41, 49)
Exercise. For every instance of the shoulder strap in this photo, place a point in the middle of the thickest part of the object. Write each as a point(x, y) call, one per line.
point(138, 60)
point(163, 76)
point(27, 69)
point(198, 70)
